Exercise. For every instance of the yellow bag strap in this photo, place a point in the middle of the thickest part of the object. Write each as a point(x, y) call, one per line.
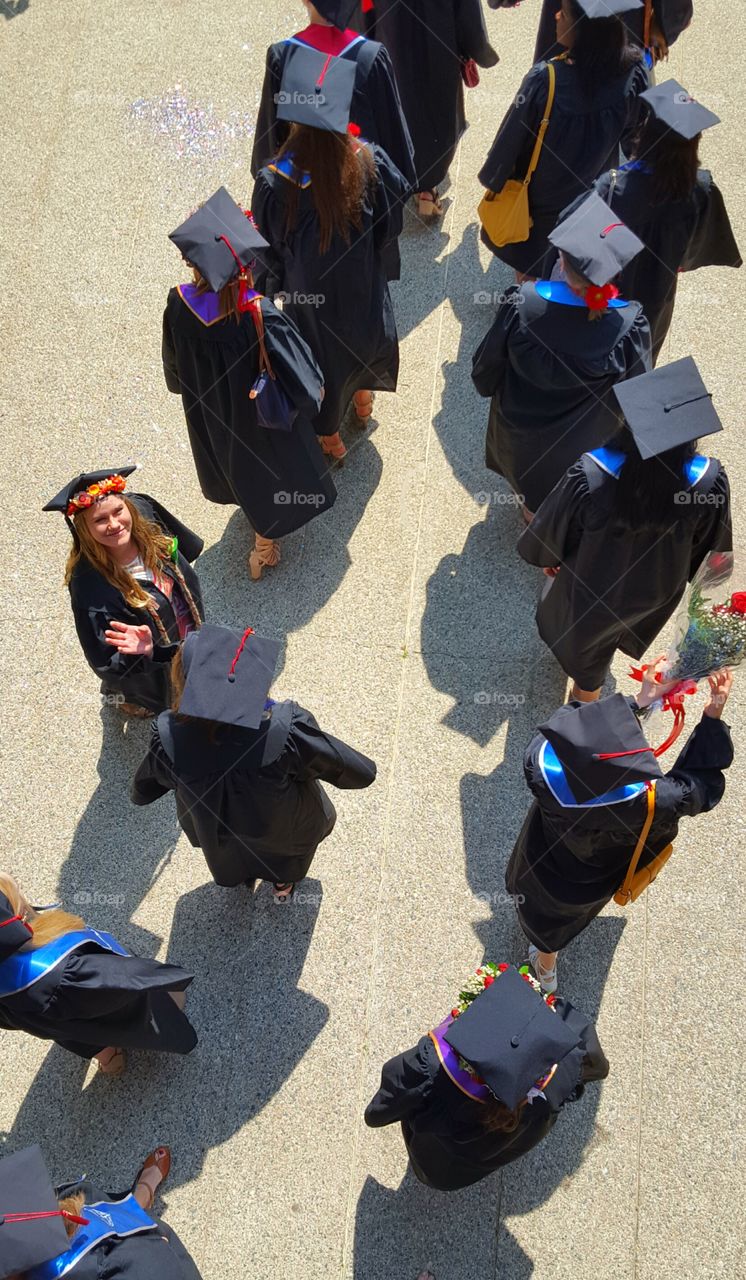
point(543, 126)
point(625, 891)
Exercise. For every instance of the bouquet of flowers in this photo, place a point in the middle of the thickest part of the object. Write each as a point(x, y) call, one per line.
point(709, 634)
point(484, 977)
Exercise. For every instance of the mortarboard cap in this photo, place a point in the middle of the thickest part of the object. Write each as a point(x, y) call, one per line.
point(672, 105)
point(337, 12)
point(13, 933)
point(26, 1189)
point(511, 1037)
point(81, 483)
point(316, 89)
point(670, 406)
point(598, 245)
point(581, 735)
point(228, 675)
point(608, 8)
point(200, 242)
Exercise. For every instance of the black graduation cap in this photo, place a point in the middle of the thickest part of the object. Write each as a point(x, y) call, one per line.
point(201, 243)
point(316, 89)
point(228, 675)
point(13, 933)
point(511, 1037)
point(598, 245)
point(601, 746)
point(608, 8)
point(60, 501)
point(670, 406)
point(26, 1189)
point(337, 12)
point(672, 105)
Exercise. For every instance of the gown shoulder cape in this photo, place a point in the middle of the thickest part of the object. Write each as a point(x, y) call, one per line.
point(252, 799)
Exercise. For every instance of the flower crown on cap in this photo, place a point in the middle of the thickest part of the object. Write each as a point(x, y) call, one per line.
point(484, 977)
point(101, 489)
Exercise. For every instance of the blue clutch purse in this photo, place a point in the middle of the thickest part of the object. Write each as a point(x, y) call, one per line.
point(274, 409)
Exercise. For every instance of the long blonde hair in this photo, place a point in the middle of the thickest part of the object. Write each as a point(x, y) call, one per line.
point(154, 547)
point(47, 925)
point(73, 1205)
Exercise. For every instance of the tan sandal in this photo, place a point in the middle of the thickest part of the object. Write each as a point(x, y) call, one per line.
point(115, 1063)
point(134, 711)
point(333, 446)
point(266, 555)
point(159, 1162)
point(363, 402)
point(428, 204)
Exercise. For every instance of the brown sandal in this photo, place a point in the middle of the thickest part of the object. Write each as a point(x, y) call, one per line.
point(159, 1159)
point(283, 892)
point(114, 1064)
point(428, 204)
point(333, 447)
point(363, 402)
point(266, 554)
point(134, 711)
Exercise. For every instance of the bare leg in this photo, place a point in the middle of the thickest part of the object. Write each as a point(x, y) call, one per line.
point(584, 695)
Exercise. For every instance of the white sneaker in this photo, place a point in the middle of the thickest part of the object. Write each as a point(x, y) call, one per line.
point(547, 977)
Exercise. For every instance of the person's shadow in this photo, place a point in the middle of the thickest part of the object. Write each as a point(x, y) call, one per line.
point(461, 1235)
point(13, 8)
point(248, 957)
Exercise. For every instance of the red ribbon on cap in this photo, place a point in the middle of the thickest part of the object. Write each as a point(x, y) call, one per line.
point(243, 301)
point(248, 632)
point(324, 70)
point(12, 1218)
point(610, 227)
point(19, 920)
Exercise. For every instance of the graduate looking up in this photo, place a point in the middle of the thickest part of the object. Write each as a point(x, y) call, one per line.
point(133, 592)
point(246, 770)
point(82, 1231)
point(61, 980)
point(433, 46)
point(376, 107)
point(670, 203)
point(628, 526)
point(487, 1084)
point(554, 353)
point(248, 383)
point(591, 772)
point(597, 82)
point(329, 204)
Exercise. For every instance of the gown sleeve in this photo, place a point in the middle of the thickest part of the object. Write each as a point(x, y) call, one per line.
point(557, 527)
point(270, 133)
point(269, 273)
point(638, 82)
point(392, 131)
point(190, 543)
point(714, 530)
point(392, 189)
point(319, 755)
point(406, 1082)
point(673, 17)
point(637, 353)
point(713, 243)
point(292, 360)
point(516, 136)
point(472, 40)
point(491, 356)
point(698, 771)
point(168, 352)
point(154, 777)
point(92, 621)
point(96, 984)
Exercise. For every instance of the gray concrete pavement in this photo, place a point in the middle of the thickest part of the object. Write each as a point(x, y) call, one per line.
point(400, 609)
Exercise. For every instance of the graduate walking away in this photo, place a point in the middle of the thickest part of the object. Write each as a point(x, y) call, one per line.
point(670, 203)
point(329, 204)
point(628, 526)
point(554, 353)
point(653, 25)
point(487, 1084)
point(436, 47)
point(61, 980)
point(248, 382)
point(599, 798)
point(376, 107)
point(81, 1231)
point(133, 591)
point(246, 770)
point(589, 96)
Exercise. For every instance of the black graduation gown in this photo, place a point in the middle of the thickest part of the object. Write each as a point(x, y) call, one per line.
point(251, 799)
point(550, 371)
point(569, 862)
point(582, 141)
point(443, 1130)
point(340, 300)
point(428, 40)
point(96, 603)
point(618, 586)
point(679, 235)
point(278, 478)
point(95, 998)
point(148, 1255)
point(673, 17)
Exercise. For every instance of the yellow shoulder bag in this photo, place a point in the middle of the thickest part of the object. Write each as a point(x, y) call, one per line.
point(504, 214)
point(636, 882)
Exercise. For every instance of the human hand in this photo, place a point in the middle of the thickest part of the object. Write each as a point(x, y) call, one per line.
point(652, 689)
point(721, 683)
point(552, 573)
point(133, 641)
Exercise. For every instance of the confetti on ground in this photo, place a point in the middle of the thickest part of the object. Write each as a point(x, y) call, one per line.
point(189, 129)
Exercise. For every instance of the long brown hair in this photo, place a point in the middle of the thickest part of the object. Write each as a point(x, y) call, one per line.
point(154, 547)
point(341, 171)
point(211, 728)
point(47, 925)
point(674, 160)
point(73, 1205)
point(497, 1118)
point(227, 296)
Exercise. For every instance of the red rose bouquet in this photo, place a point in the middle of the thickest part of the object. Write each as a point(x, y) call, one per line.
point(710, 632)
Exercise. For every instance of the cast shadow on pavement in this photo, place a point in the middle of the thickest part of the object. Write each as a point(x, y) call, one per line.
point(248, 956)
point(400, 1233)
point(13, 8)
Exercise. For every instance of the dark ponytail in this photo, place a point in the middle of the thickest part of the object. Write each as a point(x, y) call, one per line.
point(673, 159)
point(600, 51)
point(645, 493)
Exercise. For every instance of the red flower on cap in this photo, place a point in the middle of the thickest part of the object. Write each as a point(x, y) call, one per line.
point(598, 296)
point(455, 1013)
point(489, 981)
point(503, 967)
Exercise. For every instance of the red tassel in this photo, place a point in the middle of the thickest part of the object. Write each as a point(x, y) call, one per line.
point(245, 292)
point(368, 6)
